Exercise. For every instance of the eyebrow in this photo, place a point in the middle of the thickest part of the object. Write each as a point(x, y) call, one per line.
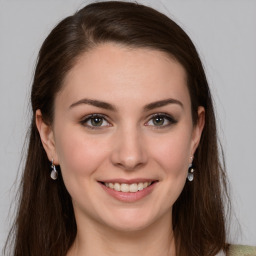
point(108, 106)
point(161, 103)
point(96, 103)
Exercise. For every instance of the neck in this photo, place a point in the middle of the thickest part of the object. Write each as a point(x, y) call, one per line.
point(94, 239)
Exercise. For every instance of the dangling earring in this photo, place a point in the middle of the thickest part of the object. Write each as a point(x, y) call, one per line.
point(54, 173)
point(190, 173)
point(191, 170)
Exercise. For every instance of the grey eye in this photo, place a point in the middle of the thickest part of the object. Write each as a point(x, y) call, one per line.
point(96, 121)
point(158, 120)
point(161, 120)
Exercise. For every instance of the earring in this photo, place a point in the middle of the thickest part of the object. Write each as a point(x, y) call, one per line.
point(54, 173)
point(191, 170)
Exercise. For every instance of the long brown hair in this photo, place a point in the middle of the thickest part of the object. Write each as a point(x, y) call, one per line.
point(45, 222)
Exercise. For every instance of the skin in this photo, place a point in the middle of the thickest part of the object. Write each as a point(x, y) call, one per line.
point(129, 144)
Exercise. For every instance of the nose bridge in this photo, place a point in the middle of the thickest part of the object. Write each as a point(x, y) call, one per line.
point(129, 151)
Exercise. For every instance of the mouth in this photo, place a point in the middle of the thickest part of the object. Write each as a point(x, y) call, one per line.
point(129, 190)
point(128, 187)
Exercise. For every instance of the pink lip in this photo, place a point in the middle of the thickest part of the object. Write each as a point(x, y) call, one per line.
point(129, 196)
point(126, 181)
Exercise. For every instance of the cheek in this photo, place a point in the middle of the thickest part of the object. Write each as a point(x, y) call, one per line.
point(78, 154)
point(173, 153)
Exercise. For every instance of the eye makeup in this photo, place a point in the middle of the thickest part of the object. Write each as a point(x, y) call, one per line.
point(161, 120)
point(95, 121)
point(156, 121)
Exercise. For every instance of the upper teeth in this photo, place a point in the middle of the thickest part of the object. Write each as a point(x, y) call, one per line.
point(134, 187)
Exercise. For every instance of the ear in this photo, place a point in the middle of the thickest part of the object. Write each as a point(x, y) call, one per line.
point(198, 128)
point(47, 137)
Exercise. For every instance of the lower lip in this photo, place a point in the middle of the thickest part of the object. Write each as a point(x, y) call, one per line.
point(129, 196)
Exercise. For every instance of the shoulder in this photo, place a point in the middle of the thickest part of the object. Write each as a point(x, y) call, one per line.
point(241, 250)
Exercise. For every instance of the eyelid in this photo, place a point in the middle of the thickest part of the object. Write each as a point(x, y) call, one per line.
point(88, 117)
point(169, 117)
point(171, 120)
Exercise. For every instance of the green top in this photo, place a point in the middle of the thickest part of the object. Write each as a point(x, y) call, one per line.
point(242, 250)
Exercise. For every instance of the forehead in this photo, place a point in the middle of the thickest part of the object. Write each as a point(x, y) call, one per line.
point(112, 72)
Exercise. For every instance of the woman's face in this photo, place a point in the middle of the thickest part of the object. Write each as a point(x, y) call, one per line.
point(123, 123)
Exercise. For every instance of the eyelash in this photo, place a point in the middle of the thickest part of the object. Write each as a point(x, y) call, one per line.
point(94, 116)
point(165, 116)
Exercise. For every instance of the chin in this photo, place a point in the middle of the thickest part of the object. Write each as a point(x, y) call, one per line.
point(131, 220)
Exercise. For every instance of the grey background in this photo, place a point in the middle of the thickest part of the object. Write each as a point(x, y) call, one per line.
point(225, 35)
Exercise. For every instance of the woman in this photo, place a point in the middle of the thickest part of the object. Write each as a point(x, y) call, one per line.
point(123, 155)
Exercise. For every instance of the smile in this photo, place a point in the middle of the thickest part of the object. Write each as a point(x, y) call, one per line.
point(128, 190)
point(132, 188)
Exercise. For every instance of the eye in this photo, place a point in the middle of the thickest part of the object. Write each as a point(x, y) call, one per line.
point(161, 120)
point(95, 121)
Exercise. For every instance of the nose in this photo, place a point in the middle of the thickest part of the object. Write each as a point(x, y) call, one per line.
point(129, 151)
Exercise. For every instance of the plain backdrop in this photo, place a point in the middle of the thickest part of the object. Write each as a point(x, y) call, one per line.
point(224, 33)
